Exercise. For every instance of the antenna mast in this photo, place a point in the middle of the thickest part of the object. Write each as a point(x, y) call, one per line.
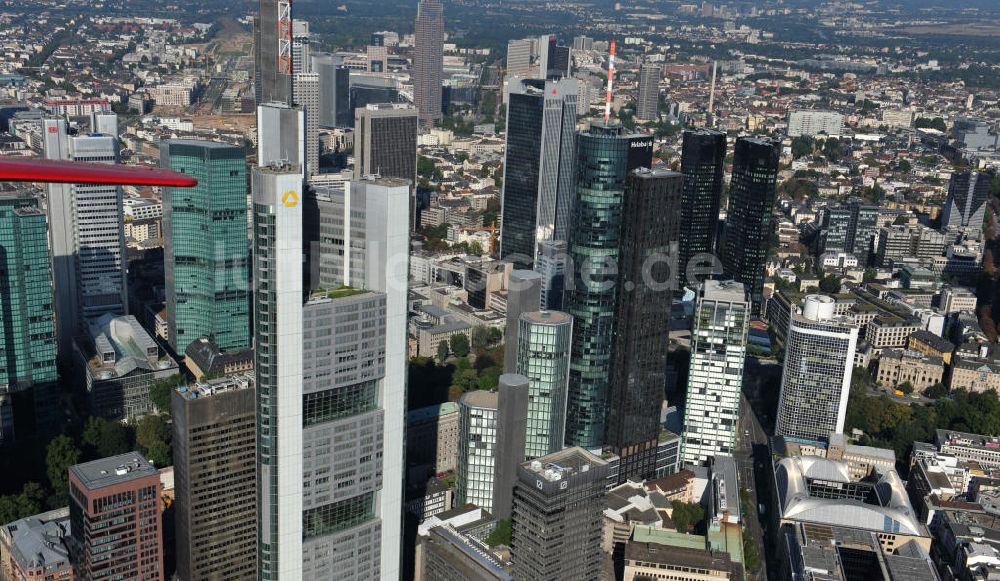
point(611, 81)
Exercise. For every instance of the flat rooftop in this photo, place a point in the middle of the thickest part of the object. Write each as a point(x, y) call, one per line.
point(113, 470)
point(563, 464)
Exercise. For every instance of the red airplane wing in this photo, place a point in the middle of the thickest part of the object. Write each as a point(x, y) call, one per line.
point(29, 169)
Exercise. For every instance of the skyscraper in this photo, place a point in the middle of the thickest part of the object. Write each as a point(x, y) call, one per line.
point(428, 61)
point(558, 507)
point(542, 355)
point(334, 91)
point(646, 281)
point(703, 161)
point(512, 417)
point(215, 473)
point(206, 252)
point(301, 63)
point(86, 230)
point(816, 380)
point(851, 229)
point(524, 289)
point(551, 264)
point(315, 410)
point(649, 92)
point(281, 137)
point(606, 155)
point(539, 165)
point(385, 144)
point(968, 194)
point(306, 90)
point(519, 54)
point(477, 448)
point(114, 510)
point(273, 52)
point(747, 233)
point(718, 352)
point(27, 326)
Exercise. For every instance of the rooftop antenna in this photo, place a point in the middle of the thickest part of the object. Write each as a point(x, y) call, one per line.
point(711, 93)
point(611, 81)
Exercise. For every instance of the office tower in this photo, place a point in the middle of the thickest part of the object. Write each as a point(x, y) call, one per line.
point(86, 233)
point(583, 43)
point(273, 52)
point(718, 351)
point(306, 396)
point(334, 91)
point(703, 162)
point(385, 144)
point(816, 380)
point(428, 61)
point(206, 252)
point(114, 509)
point(542, 355)
point(968, 194)
point(281, 137)
point(606, 155)
point(646, 281)
point(378, 59)
point(551, 264)
point(477, 448)
point(306, 95)
point(747, 233)
point(836, 224)
point(539, 165)
point(27, 326)
point(649, 92)
point(901, 241)
point(862, 230)
point(300, 47)
point(215, 475)
point(512, 420)
point(519, 54)
point(558, 507)
point(524, 291)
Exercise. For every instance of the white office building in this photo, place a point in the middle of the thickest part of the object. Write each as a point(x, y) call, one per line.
point(816, 382)
point(718, 352)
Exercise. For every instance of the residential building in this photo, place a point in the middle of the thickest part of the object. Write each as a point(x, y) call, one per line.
point(715, 379)
point(646, 281)
point(965, 207)
point(816, 378)
point(206, 251)
point(542, 355)
point(703, 161)
point(812, 123)
point(86, 232)
point(477, 448)
point(35, 547)
point(524, 295)
point(748, 219)
point(896, 367)
point(648, 100)
point(428, 61)
point(115, 521)
point(606, 154)
point(539, 166)
point(215, 476)
point(28, 373)
point(385, 145)
point(558, 503)
point(273, 53)
point(117, 364)
point(432, 436)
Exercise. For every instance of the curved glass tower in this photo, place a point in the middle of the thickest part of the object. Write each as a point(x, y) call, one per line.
point(543, 357)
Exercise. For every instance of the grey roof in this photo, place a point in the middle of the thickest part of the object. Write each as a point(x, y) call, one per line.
point(113, 470)
point(38, 540)
point(132, 347)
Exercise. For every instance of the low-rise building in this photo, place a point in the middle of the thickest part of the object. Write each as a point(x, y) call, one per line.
point(653, 561)
point(889, 331)
point(929, 344)
point(969, 447)
point(897, 366)
point(432, 436)
point(34, 548)
point(975, 375)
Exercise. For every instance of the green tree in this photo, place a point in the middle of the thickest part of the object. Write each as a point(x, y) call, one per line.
point(494, 336)
point(160, 392)
point(460, 344)
point(480, 337)
point(686, 515)
point(443, 350)
point(830, 284)
point(102, 438)
point(501, 534)
point(425, 167)
point(59, 456)
point(152, 437)
point(17, 506)
point(802, 146)
point(490, 378)
point(905, 387)
point(938, 390)
point(466, 380)
point(869, 275)
point(904, 166)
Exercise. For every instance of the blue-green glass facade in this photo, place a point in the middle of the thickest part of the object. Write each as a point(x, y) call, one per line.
point(206, 250)
point(27, 325)
point(605, 154)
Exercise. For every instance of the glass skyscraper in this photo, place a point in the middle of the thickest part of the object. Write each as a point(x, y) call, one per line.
point(606, 153)
point(816, 382)
point(703, 161)
point(477, 449)
point(27, 326)
point(206, 250)
point(543, 357)
point(968, 194)
point(747, 233)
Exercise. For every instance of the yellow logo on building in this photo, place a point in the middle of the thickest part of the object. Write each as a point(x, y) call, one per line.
point(290, 199)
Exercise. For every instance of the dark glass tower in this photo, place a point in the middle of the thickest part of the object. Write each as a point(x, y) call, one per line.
point(539, 166)
point(703, 162)
point(649, 232)
point(968, 195)
point(273, 52)
point(605, 156)
point(749, 218)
